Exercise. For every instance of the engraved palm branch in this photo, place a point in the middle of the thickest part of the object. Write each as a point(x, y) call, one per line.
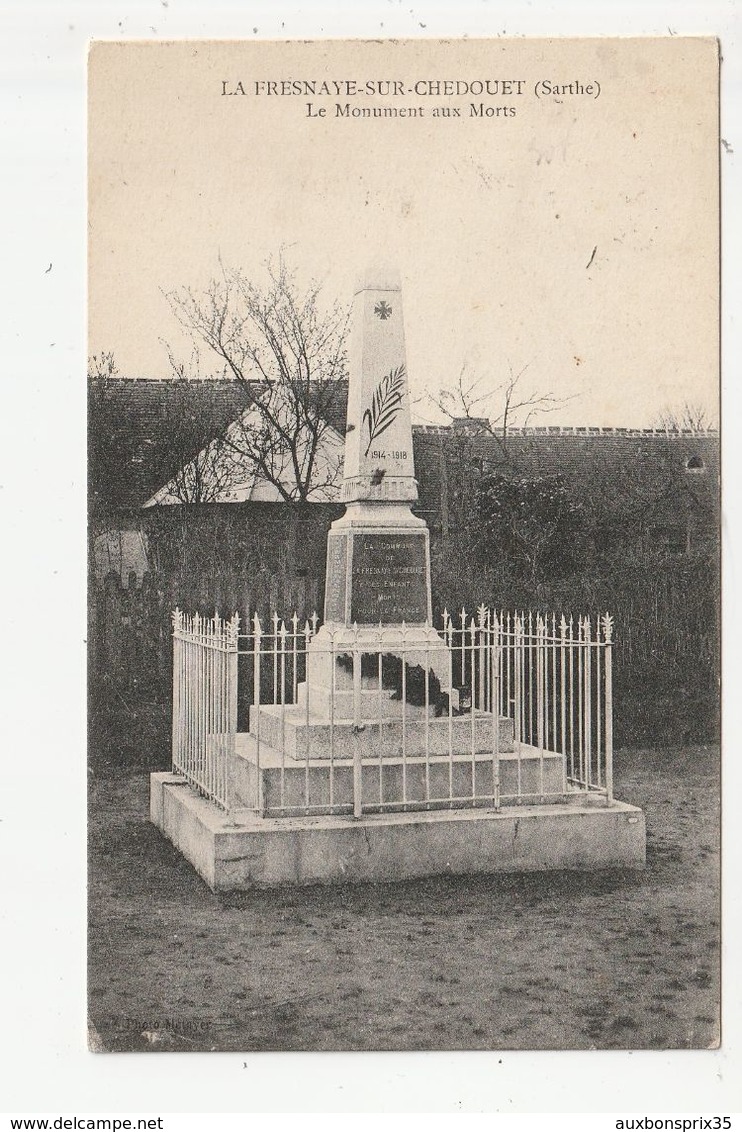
point(385, 404)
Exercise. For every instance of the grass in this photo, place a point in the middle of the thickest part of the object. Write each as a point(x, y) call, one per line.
point(606, 960)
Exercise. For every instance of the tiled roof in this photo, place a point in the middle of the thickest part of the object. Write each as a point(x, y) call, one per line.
point(478, 426)
point(550, 451)
point(131, 424)
point(142, 430)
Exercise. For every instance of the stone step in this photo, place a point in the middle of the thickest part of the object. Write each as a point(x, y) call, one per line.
point(287, 728)
point(375, 704)
point(306, 787)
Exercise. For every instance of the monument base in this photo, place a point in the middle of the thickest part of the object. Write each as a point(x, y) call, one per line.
point(290, 731)
point(378, 567)
point(244, 851)
point(270, 783)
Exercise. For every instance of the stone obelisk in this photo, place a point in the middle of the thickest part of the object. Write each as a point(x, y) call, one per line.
point(377, 592)
point(378, 558)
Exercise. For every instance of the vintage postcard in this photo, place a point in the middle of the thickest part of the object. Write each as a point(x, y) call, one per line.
point(404, 545)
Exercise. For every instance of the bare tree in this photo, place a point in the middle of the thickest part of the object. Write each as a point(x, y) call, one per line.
point(494, 409)
point(288, 353)
point(102, 367)
point(689, 416)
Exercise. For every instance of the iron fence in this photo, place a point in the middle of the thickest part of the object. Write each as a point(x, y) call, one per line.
point(492, 709)
point(205, 702)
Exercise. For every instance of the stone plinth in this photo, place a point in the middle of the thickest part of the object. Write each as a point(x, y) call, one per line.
point(275, 784)
point(330, 657)
point(378, 568)
point(287, 729)
point(248, 852)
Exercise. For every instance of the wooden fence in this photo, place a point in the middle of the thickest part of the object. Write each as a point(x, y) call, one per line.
point(666, 657)
point(130, 628)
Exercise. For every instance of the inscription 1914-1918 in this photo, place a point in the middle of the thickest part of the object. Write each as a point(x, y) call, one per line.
point(389, 579)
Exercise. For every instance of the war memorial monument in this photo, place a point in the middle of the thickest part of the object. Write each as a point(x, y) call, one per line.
point(379, 747)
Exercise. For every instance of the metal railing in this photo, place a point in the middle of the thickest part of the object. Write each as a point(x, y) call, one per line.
point(495, 708)
point(205, 702)
point(556, 683)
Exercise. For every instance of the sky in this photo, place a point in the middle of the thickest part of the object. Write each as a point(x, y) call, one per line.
point(572, 235)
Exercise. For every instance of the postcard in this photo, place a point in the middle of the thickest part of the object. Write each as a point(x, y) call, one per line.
point(404, 545)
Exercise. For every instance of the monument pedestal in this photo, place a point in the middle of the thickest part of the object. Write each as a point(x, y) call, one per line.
point(243, 852)
point(378, 619)
point(378, 567)
point(292, 733)
point(356, 673)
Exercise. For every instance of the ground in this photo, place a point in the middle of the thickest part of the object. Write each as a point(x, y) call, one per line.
point(607, 960)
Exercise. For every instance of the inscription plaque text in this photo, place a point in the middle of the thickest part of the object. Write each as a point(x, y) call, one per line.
point(389, 579)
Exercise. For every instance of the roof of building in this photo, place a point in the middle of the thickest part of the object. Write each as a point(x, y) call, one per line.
point(550, 451)
point(142, 431)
